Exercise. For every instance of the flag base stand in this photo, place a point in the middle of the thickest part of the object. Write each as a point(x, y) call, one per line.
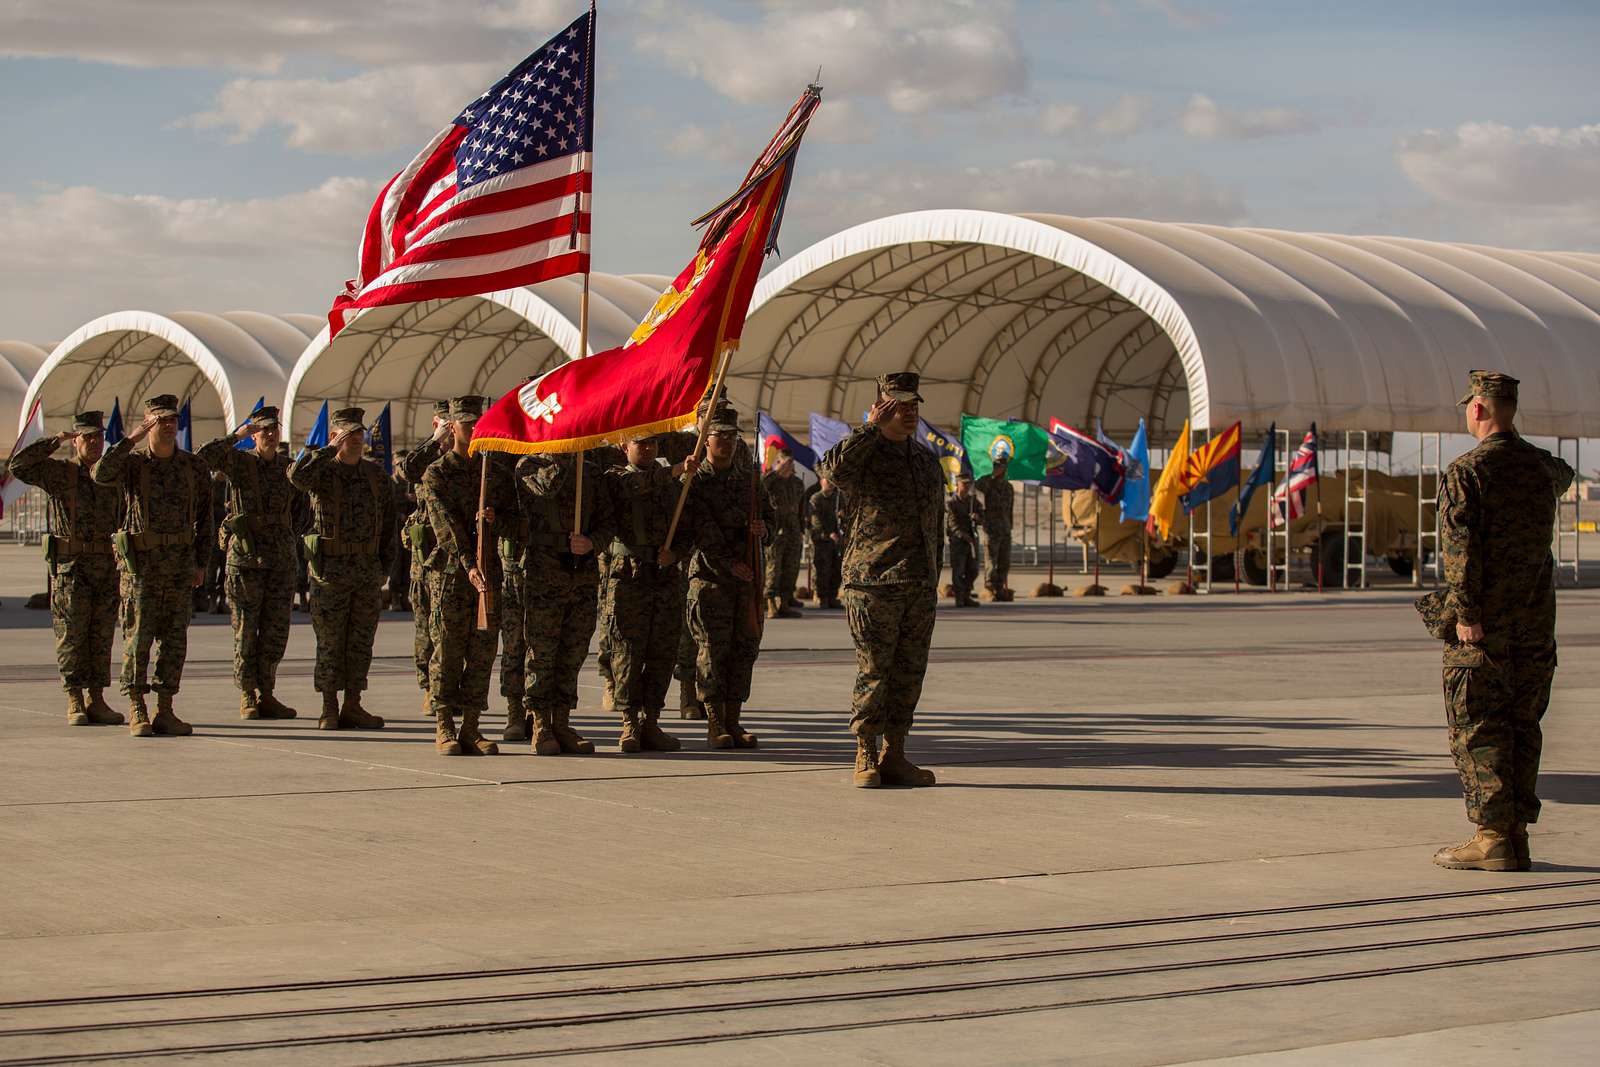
point(1047, 589)
point(1090, 590)
point(1140, 590)
point(1181, 589)
point(947, 591)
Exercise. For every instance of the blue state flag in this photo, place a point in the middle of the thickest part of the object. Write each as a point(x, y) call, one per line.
point(185, 428)
point(826, 432)
point(380, 439)
point(769, 434)
point(948, 447)
point(1079, 462)
point(318, 437)
point(1136, 478)
point(1258, 479)
point(114, 424)
point(247, 444)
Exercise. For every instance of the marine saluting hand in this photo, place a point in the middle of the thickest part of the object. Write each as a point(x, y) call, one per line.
point(882, 411)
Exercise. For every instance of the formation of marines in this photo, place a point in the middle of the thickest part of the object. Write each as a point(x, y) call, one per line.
point(677, 556)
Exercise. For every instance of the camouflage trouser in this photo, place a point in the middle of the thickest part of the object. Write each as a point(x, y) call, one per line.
point(155, 612)
point(892, 626)
point(513, 646)
point(963, 567)
point(641, 616)
point(783, 565)
point(683, 669)
point(83, 609)
point(1493, 708)
point(345, 604)
point(463, 655)
point(422, 620)
point(999, 560)
point(559, 610)
point(260, 602)
point(726, 644)
point(825, 561)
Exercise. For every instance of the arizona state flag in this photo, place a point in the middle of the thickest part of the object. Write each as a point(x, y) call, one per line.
point(1213, 468)
point(654, 382)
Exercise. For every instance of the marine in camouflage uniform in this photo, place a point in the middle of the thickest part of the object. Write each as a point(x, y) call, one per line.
point(675, 448)
point(827, 543)
point(963, 517)
point(891, 574)
point(405, 506)
point(641, 600)
point(163, 546)
point(561, 588)
point(1497, 511)
point(348, 556)
point(998, 499)
point(785, 494)
point(83, 572)
point(511, 541)
point(724, 597)
point(463, 654)
point(260, 559)
point(418, 535)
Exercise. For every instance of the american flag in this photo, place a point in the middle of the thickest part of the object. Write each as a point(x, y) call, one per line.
point(1302, 472)
point(498, 199)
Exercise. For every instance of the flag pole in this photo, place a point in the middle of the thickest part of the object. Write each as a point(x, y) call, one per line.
point(585, 201)
point(1238, 496)
point(583, 353)
point(700, 439)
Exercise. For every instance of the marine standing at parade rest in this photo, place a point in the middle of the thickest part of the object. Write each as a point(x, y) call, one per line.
point(641, 601)
point(732, 519)
point(260, 558)
point(561, 590)
point(1497, 512)
point(348, 556)
point(963, 517)
point(827, 542)
point(83, 572)
point(405, 506)
point(463, 654)
point(511, 541)
point(418, 535)
point(891, 574)
point(675, 448)
point(785, 494)
point(162, 549)
point(998, 497)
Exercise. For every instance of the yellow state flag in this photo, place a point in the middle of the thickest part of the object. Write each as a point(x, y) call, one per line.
point(1164, 502)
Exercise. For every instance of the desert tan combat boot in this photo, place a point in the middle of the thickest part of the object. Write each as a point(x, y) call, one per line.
point(139, 717)
point(1519, 841)
point(689, 705)
point(77, 714)
point(100, 712)
point(329, 719)
point(572, 742)
point(166, 721)
point(270, 707)
point(628, 740)
point(730, 722)
point(1489, 850)
point(895, 769)
point(427, 705)
point(717, 735)
point(773, 606)
point(516, 721)
point(248, 708)
point(866, 773)
point(652, 737)
point(544, 735)
point(608, 696)
point(355, 717)
point(473, 743)
point(444, 734)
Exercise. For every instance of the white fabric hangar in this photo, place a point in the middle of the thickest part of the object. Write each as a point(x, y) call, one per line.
point(411, 355)
point(1111, 320)
point(19, 362)
point(222, 364)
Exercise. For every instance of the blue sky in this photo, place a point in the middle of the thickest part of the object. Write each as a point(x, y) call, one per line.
point(178, 154)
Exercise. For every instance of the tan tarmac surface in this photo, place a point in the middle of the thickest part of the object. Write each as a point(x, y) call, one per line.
point(1166, 830)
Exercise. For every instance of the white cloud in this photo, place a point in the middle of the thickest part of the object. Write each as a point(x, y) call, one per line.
point(1205, 119)
point(721, 145)
point(380, 110)
point(1188, 17)
point(1056, 119)
point(916, 55)
point(284, 253)
point(1541, 182)
point(1125, 117)
point(259, 34)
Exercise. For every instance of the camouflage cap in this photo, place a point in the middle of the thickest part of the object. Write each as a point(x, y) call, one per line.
point(724, 417)
point(350, 419)
point(441, 409)
point(1436, 616)
point(89, 422)
point(164, 406)
point(901, 386)
point(467, 408)
point(263, 419)
point(1491, 384)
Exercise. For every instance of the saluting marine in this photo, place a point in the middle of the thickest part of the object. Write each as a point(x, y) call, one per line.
point(891, 574)
point(963, 517)
point(1497, 512)
point(260, 559)
point(418, 534)
point(998, 499)
point(162, 549)
point(827, 542)
point(348, 557)
point(785, 494)
point(83, 572)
